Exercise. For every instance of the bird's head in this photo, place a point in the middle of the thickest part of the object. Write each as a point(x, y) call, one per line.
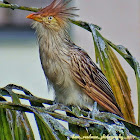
point(55, 16)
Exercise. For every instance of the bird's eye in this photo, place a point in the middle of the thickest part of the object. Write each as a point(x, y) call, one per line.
point(50, 17)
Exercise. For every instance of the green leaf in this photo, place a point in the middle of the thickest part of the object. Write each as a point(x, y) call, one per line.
point(134, 64)
point(81, 131)
point(45, 129)
point(5, 130)
point(53, 126)
point(20, 124)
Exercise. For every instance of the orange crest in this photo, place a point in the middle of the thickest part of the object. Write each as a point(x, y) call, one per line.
point(58, 8)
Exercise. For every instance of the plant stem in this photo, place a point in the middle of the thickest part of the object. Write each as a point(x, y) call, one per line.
point(15, 6)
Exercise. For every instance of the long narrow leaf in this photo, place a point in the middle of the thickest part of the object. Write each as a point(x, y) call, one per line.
point(5, 130)
point(134, 64)
point(45, 128)
point(20, 124)
point(115, 74)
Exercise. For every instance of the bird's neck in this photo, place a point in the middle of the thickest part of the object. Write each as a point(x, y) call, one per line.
point(52, 41)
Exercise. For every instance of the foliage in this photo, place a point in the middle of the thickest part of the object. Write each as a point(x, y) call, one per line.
point(15, 124)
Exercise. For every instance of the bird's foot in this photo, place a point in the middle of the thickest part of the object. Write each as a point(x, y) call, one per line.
point(94, 111)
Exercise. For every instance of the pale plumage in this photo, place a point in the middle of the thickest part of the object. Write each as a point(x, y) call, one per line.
point(74, 76)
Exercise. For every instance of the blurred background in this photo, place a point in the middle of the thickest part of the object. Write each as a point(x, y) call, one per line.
point(19, 57)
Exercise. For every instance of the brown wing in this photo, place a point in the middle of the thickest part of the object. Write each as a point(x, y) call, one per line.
point(92, 80)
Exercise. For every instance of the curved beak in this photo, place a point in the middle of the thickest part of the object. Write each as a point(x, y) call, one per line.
point(35, 16)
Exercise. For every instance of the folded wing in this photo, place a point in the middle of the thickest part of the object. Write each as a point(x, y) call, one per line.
point(92, 80)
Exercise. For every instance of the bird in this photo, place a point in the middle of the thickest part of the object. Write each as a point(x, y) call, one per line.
point(67, 67)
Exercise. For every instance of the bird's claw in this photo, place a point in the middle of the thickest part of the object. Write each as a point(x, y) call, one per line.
point(94, 111)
